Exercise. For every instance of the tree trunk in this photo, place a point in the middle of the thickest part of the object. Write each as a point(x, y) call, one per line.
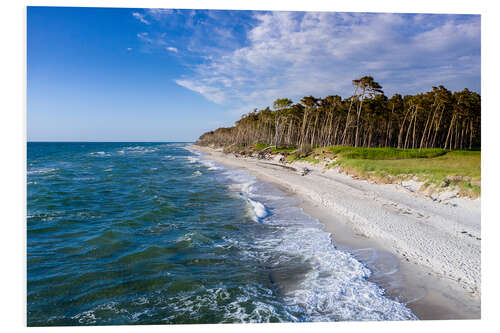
point(357, 119)
point(347, 118)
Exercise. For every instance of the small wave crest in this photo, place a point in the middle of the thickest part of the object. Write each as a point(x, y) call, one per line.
point(207, 163)
point(191, 150)
point(100, 153)
point(41, 171)
point(258, 209)
point(137, 150)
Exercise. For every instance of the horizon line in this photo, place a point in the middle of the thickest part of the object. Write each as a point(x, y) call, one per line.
point(83, 141)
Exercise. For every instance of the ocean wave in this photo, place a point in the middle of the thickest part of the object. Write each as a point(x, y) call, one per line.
point(84, 178)
point(191, 150)
point(100, 153)
point(207, 163)
point(41, 171)
point(138, 150)
point(258, 209)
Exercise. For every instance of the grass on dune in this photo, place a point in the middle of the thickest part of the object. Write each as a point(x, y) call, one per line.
point(282, 150)
point(310, 159)
point(450, 164)
point(260, 145)
point(434, 166)
point(437, 167)
point(383, 153)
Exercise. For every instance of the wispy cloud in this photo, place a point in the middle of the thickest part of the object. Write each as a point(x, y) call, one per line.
point(155, 42)
point(212, 93)
point(295, 54)
point(159, 13)
point(141, 18)
point(199, 32)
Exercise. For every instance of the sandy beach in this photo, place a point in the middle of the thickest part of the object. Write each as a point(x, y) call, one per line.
point(433, 244)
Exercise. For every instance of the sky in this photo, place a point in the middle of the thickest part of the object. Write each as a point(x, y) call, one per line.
point(124, 74)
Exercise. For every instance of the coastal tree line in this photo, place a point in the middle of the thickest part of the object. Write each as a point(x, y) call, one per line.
point(368, 118)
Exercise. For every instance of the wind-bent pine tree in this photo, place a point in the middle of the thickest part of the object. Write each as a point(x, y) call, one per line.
point(280, 106)
point(437, 118)
point(368, 87)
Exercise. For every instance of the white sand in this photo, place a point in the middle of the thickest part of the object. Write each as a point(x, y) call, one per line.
point(437, 240)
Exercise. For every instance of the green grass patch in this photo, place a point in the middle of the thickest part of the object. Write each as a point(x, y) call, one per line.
point(309, 159)
point(455, 168)
point(283, 150)
point(382, 153)
point(260, 145)
point(294, 158)
point(437, 167)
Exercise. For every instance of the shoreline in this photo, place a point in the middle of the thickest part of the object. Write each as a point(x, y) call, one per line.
point(393, 225)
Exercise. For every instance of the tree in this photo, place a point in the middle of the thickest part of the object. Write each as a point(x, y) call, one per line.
point(310, 104)
point(280, 106)
point(369, 88)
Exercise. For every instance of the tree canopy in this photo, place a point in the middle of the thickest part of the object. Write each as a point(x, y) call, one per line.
point(368, 118)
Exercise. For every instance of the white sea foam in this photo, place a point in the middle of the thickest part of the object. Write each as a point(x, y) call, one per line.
point(100, 153)
point(207, 163)
point(335, 285)
point(41, 171)
point(188, 304)
point(191, 150)
point(138, 150)
point(84, 178)
point(258, 209)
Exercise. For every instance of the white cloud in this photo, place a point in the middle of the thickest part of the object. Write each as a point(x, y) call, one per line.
point(129, 49)
point(159, 13)
point(154, 42)
point(291, 54)
point(211, 93)
point(141, 18)
point(144, 36)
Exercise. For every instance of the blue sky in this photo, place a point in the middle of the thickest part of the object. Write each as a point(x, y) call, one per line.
point(101, 74)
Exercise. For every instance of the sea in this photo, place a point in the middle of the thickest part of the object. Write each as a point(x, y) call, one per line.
point(155, 233)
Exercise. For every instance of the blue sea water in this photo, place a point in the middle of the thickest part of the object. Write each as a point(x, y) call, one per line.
point(154, 233)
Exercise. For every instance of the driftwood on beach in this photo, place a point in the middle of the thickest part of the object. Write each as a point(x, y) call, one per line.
point(283, 166)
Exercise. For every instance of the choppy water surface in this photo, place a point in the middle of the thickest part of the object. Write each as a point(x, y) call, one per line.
point(150, 233)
